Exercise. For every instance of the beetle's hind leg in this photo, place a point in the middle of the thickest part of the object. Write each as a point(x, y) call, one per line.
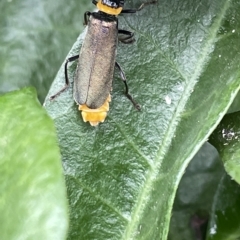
point(123, 77)
point(71, 59)
point(125, 36)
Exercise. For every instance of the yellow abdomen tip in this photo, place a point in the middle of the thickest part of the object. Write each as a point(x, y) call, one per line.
point(95, 116)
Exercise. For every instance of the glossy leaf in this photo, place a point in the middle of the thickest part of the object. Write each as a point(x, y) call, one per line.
point(226, 138)
point(225, 220)
point(33, 199)
point(235, 107)
point(34, 39)
point(195, 194)
point(122, 176)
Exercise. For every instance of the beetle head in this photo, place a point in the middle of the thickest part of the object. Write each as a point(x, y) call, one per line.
point(111, 7)
point(113, 3)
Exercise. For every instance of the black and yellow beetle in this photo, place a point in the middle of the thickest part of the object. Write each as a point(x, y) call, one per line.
point(93, 80)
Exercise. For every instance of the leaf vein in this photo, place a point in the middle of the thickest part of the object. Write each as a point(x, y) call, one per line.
point(152, 174)
point(98, 197)
point(132, 144)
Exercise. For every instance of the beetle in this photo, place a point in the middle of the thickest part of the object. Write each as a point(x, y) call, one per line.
point(97, 59)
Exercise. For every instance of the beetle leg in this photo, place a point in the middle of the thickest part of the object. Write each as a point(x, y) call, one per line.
point(94, 2)
point(86, 17)
point(128, 38)
point(123, 77)
point(138, 9)
point(71, 59)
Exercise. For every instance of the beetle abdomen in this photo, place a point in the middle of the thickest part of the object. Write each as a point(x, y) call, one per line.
point(96, 63)
point(95, 116)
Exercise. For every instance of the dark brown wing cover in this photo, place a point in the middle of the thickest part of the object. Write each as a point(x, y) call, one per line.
point(93, 81)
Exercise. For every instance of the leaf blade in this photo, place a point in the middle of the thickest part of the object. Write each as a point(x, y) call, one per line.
point(33, 202)
point(136, 160)
point(226, 140)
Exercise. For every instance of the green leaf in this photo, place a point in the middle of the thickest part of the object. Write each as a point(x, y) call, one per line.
point(226, 139)
point(195, 194)
point(224, 219)
point(122, 176)
point(34, 39)
point(235, 105)
point(33, 202)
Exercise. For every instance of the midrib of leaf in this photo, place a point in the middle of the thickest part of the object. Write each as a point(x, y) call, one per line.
point(153, 172)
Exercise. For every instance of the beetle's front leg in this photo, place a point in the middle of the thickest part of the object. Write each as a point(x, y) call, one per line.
point(86, 17)
point(94, 2)
point(140, 8)
point(128, 38)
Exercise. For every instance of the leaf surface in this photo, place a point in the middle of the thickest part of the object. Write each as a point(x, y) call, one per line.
point(194, 198)
point(224, 218)
point(33, 198)
point(226, 139)
point(184, 71)
point(34, 38)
